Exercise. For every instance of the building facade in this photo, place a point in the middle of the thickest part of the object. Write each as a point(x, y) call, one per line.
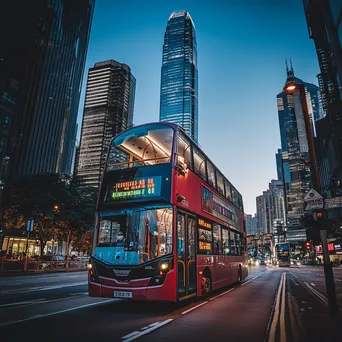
point(41, 71)
point(108, 110)
point(249, 224)
point(294, 146)
point(324, 20)
point(179, 76)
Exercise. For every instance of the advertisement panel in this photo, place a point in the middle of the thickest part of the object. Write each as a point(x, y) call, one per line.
point(215, 206)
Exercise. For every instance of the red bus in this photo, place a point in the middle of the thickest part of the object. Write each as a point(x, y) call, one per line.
point(169, 225)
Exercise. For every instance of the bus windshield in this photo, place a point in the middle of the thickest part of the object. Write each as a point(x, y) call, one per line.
point(132, 237)
point(141, 146)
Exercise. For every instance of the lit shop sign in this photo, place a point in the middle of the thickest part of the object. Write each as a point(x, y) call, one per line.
point(338, 248)
point(213, 205)
point(135, 189)
point(204, 224)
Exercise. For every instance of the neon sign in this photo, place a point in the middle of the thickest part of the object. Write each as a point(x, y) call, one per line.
point(135, 189)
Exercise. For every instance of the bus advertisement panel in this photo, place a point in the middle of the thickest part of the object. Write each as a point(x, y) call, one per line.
point(164, 231)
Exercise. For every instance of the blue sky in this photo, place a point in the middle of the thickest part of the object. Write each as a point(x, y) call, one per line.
point(242, 45)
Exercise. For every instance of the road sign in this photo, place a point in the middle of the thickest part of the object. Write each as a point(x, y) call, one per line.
point(312, 196)
point(29, 225)
point(314, 200)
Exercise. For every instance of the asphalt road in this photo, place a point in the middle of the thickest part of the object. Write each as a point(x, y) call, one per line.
point(273, 304)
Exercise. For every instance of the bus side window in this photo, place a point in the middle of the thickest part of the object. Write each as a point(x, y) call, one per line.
point(211, 174)
point(220, 184)
point(199, 163)
point(225, 242)
point(184, 150)
point(228, 190)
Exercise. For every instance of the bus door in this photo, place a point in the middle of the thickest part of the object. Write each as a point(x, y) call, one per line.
point(186, 257)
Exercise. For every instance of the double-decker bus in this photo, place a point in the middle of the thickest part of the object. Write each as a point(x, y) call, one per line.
point(283, 253)
point(169, 225)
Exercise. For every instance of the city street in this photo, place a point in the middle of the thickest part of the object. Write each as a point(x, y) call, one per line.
point(56, 306)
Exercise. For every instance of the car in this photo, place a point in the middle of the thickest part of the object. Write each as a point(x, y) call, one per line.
point(46, 262)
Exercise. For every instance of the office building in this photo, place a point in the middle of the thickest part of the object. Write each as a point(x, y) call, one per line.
point(294, 146)
point(324, 20)
point(179, 77)
point(42, 62)
point(108, 110)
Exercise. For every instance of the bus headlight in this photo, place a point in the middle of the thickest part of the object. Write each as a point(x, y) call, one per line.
point(89, 266)
point(164, 266)
point(257, 263)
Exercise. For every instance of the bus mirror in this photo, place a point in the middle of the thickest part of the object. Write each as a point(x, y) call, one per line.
point(180, 198)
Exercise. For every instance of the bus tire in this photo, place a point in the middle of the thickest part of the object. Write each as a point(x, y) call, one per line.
point(239, 279)
point(206, 282)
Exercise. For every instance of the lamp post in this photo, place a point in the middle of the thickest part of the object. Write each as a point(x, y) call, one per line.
point(293, 88)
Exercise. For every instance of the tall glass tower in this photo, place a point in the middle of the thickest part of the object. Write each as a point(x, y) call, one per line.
point(179, 78)
point(41, 71)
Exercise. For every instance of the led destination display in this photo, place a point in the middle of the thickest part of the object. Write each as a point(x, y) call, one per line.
point(135, 189)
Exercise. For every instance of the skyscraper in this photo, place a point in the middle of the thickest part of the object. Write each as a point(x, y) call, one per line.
point(294, 146)
point(179, 77)
point(41, 69)
point(325, 29)
point(108, 110)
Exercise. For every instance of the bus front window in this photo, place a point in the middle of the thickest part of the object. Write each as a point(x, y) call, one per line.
point(135, 237)
point(141, 146)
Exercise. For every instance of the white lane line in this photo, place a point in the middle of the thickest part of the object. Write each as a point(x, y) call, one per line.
point(293, 274)
point(193, 308)
point(272, 333)
point(313, 284)
point(20, 303)
point(43, 288)
point(149, 326)
point(142, 333)
point(321, 297)
point(130, 335)
point(56, 313)
point(252, 279)
point(223, 293)
point(338, 279)
point(282, 313)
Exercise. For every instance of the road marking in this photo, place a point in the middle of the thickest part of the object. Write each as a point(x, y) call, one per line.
point(193, 308)
point(313, 284)
point(43, 288)
point(322, 298)
point(21, 303)
point(56, 313)
point(221, 294)
point(130, 335)
point(282, 313)
point(293, 274)
point(157, 326)
point(279, 311)
point(252, 279)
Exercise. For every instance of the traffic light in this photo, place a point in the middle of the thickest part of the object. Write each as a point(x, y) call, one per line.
point(307, 245)
point(318, 215)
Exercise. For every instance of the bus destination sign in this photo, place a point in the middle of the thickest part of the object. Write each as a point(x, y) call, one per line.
point(135, 189)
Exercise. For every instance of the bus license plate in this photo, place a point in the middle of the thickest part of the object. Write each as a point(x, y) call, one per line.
point(123, 294)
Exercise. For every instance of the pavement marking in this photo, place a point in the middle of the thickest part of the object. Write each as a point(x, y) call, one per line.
point(221, 294)
point(193, 308)
point(293, 274)
point(130, 335)
point(142, 333)
point(21, 303)
point(43, 288)
point(313, 284)
point(252, 279)
point(282, 313)
point(321, 297)
point(56, 313)
point(272, 333)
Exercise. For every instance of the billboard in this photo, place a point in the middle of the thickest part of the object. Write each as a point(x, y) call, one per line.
point(217, 207)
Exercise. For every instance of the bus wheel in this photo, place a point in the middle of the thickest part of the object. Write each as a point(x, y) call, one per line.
point(206, 282)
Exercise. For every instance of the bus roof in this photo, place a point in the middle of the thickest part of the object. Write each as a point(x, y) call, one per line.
point(176, 127)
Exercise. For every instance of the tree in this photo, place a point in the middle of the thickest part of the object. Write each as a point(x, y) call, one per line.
point(62, 207)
